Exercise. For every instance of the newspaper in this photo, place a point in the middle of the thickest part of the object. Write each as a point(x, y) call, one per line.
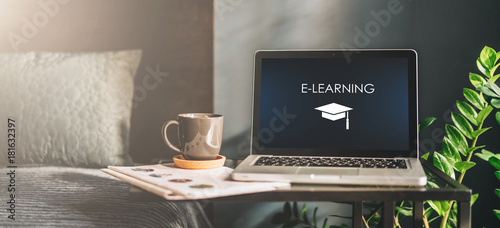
point(173, 183)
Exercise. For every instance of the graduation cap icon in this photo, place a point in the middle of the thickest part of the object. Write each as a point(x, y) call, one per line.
point(335, 112)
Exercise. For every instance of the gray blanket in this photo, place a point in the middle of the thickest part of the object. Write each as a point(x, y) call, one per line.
point(78, 197)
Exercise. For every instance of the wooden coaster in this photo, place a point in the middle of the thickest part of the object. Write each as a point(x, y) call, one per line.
point(181, 162)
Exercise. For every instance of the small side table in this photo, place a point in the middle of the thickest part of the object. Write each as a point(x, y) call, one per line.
point(447, 190)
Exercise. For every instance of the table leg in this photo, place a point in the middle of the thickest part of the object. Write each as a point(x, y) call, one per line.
point(388, 216)
point(418, 214)
point(357, 214)
point(464, 214)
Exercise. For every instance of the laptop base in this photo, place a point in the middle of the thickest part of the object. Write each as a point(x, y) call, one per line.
point(412, 176)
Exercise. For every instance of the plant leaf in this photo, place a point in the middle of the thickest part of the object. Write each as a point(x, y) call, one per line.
point(473, 97)
point(492, 70)
point(425, 123)
point(476, 80)
point(478, 132)
point(304, 214)
point(428, 211)
point(483, 114)
point(314, 216)
point(340, 216)
point(457, 139)
point(324, 222)
point(495, 78)
point(473, 198)
point(497, 213)
point(488, 57)
point(406, 211)
point(442, 163)
point(485, 154)
point(486, 90)
point(425, 156)
point(436, 207)
point(497, 117)
point(495, 102)
point(462, 124)
point(287, 210)
point(494, 87)
point(483, 100)
point(452, 220)
point(482, 68)
point(495, 162)
point(472, 149)
point(450, 151)
point(497, 192)
point(497, 174)
point(439, 206)
point(464, 166)
point(468, 111)
point(431, 184)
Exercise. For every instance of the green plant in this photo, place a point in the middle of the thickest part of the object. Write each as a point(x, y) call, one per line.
point(461, 138)
point(491, 93)
point(460, 141)
point(494, 160)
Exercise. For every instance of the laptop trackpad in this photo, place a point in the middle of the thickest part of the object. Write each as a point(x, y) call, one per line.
point(328, 171)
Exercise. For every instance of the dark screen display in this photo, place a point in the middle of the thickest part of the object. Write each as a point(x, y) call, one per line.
point(323, 103)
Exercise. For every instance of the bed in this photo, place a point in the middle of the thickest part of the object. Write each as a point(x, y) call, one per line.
point(83, 197)
point(67, 116)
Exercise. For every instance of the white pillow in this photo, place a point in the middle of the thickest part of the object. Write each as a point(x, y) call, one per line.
point(70, 109)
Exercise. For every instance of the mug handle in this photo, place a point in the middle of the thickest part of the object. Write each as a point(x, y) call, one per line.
point(165, 137)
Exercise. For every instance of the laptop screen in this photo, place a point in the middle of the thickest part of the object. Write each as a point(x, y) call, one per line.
point(335, 103)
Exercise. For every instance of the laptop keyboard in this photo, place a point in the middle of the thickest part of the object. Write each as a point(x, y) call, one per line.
point(332, 162)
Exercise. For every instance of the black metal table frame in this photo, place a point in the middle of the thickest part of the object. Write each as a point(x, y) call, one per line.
point(357, 195)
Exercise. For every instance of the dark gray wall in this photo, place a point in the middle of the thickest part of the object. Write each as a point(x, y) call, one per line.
point(448, 36)
point(176, 37)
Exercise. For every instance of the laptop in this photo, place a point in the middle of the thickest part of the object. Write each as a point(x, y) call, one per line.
point(334, 117)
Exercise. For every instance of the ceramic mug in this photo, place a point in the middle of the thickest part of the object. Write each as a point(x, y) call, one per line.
point(200, 135)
